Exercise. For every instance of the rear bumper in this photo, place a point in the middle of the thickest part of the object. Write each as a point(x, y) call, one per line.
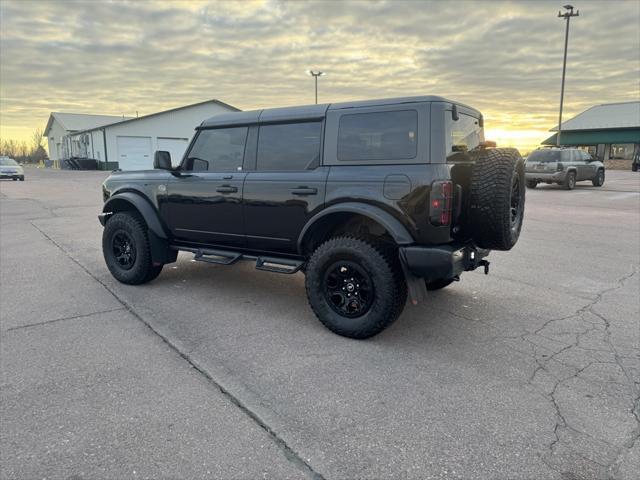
point(442, 261)
point(546, 177)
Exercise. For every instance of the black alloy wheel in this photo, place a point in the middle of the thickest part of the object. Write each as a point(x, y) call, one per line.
point(348, 289)
point(517, 204)
point(124, 249)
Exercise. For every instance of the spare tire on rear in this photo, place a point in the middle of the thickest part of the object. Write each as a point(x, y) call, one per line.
point(496, 203)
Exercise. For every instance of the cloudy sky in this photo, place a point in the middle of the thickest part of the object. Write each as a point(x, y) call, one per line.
point(504, 58)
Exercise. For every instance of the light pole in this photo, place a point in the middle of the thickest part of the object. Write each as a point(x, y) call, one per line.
point(315, 76)
point(567, 16)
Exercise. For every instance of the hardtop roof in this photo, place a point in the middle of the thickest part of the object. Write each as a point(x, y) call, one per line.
point(312, 112)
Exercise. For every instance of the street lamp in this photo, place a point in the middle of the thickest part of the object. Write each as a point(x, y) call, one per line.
point(567, 16)
point(315, 76)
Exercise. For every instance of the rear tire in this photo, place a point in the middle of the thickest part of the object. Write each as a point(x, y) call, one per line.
point(497, 196)
point(598, 181)
point(126, 249)
point(354, 287)
point(570, 181)
point(439, 284)
point(532, 184)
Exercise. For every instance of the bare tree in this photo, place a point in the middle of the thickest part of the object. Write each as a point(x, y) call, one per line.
point(36, 139)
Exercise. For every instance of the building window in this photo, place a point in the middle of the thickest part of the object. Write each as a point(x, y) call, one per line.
point(621, 151)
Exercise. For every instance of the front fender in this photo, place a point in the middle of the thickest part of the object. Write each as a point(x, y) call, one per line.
point(398, 232)
point(142, 205)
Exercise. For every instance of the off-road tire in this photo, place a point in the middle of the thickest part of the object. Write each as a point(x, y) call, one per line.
point(438, 284)
point(383, 267)
point(497, 185)
point(598, 180)
point(532, 184)
point(569, 181)
point(142, 270)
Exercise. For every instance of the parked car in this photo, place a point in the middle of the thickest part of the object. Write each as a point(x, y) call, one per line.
point(373, 201)
point(9, 168)
point(564, 166)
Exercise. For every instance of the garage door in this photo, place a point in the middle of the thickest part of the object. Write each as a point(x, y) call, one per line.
point(175, 146)
point(134, 153)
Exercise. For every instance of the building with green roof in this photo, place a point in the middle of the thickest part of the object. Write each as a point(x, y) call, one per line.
point(610, 132)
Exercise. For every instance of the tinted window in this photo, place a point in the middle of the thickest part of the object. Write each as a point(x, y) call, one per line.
point(463, 134)
point(290, 146)
point(378, 136)
point(8, 162)
point(544, 156)
point(218, 150)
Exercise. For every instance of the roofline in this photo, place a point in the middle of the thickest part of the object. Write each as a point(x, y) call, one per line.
point(53, 116)
point(216, 101)
point(297, 112)
point(555, 129)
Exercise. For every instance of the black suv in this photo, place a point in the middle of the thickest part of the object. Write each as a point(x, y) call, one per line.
point(371, 200)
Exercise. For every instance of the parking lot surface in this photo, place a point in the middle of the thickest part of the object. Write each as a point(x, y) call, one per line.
point(531, 372)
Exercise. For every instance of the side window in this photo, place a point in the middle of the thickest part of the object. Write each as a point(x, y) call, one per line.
point(566, 156)
point(218, 150)
point(463, 134)
point(289, 146)
point(391, 135)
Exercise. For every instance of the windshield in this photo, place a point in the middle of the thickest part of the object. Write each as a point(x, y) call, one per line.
point(6, 162)
point(544, 156)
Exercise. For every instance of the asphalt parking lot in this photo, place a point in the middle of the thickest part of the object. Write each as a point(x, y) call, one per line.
point(531, 372)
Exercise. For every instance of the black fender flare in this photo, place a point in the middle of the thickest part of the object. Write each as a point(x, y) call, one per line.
point(397, 230)
point(142, 205)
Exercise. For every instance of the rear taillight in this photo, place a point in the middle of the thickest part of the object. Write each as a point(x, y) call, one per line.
point(441, 203)
point(560, 167)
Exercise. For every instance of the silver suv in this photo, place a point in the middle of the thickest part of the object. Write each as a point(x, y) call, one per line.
point(564, 166)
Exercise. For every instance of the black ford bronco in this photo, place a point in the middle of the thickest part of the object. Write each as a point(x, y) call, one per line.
point(373, 201)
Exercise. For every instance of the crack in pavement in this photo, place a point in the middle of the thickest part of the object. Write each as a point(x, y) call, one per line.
point(287, 450)
point(542, 365)
point(55, 320)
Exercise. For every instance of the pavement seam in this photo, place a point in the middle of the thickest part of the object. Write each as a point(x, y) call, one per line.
point(55, 320)
point(288, 452)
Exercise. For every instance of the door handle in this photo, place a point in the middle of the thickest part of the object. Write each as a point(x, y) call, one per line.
point(304, 191)
point(226, 189)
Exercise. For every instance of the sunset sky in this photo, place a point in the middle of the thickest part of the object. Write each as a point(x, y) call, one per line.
point(504, 58)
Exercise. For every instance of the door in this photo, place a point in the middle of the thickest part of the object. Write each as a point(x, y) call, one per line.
point(287, 186)
point(175, 146)
point(134, 153)
point(589, 166)
point(204, 202)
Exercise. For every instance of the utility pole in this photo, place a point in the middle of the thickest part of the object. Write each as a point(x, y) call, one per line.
point(567, 16)
point(315, 76)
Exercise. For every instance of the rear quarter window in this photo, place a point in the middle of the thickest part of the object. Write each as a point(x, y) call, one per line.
point(391, 135)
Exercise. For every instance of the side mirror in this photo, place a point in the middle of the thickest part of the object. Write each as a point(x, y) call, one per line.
point(162, 160)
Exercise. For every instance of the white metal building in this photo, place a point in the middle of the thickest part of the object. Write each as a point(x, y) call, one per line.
point(61, 125)
point(130, 144)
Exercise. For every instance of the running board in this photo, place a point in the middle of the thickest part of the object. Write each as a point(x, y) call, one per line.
point(224, 257)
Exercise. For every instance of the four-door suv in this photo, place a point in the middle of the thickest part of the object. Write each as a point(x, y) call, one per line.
point(564, 166)
point(373, 201)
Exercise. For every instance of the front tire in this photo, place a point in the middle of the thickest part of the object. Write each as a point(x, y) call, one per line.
point(126, 249)
point(598, 181)
point(532, 184)
point(570, 181)
point(354, 287)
